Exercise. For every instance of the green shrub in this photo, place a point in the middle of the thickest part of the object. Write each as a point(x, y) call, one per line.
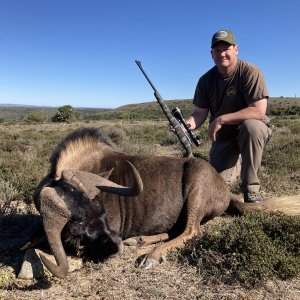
point(65, 113)
point(248, 250)
point(35, 118)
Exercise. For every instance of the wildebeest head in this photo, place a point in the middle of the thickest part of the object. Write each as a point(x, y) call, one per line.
point(89, 234)
point(69, 201)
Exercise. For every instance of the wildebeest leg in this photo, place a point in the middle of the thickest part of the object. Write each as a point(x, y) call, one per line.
point(195, 213)
point(145, 240)
point(159, 253)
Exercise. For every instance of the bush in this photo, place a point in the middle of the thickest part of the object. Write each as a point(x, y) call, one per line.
point(65, 113)
point(35, 118)
point(248, 250)
point(116, 134)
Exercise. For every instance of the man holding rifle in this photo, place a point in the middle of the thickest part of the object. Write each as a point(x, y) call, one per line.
point(235, 95)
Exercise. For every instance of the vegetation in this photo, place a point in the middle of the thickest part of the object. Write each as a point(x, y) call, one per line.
point(284, 106)
point(27, 149)
point(35, 118)
point(65, 113)
point(279, 106)
point(21, 115)
point(247, 250)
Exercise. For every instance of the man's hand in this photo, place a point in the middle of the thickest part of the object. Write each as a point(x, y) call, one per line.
point(256, 110)
point(213, 128)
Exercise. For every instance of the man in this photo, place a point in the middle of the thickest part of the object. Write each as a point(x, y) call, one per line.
point(235, 95)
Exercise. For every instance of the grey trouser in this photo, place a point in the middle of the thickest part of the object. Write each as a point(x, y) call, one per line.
point(242, 154)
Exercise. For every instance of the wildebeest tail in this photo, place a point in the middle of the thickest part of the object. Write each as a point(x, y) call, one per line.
point(237, 207)
point(288, 205)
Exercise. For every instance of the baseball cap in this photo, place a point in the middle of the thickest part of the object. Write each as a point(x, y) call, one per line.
point(223, 35)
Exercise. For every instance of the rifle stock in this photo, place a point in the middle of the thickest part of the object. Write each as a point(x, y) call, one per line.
point(182, 136)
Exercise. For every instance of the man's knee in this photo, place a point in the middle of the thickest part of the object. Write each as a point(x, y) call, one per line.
point(254, 130)
point(251, 127)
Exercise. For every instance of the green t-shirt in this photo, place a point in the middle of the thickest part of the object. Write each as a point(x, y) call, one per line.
point(223, 95)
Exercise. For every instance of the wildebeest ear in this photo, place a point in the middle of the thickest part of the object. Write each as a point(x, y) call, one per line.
point(106, 174)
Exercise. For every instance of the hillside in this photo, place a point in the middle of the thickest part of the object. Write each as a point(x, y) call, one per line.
point(13, 114)
point(152, 110)
point(141, 111)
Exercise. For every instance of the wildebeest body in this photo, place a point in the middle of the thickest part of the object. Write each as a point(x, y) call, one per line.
point(169, 197)
point(168, 183)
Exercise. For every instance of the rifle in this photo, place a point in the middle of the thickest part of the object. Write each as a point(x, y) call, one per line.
point(176, 112)
point(175, 118)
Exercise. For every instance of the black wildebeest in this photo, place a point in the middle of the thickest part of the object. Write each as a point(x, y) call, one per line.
point(146, 198)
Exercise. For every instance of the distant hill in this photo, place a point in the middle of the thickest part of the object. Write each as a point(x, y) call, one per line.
point(187, 103)
point(17, 105)
point(152, 110)
point(148, 110)
point(40, 106)
point(284, 101)
point(16, 113)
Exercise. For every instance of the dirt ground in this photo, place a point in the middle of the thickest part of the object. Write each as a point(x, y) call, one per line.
point(118, 278)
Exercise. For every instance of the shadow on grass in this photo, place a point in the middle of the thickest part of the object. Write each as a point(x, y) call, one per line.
point(15, 231)
point(40, 284)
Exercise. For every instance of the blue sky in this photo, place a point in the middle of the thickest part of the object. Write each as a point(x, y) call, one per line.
point(82, 52)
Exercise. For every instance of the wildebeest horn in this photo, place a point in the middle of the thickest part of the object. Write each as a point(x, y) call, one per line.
point(91, 184)
point(55, 215)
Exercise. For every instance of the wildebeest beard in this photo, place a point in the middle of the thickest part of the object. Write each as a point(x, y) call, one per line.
point(88, 235)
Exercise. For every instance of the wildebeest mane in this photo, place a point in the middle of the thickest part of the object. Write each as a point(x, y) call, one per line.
point(72, 148)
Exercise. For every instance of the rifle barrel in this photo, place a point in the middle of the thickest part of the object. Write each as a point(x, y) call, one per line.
point(139, 63)
point(182, 136)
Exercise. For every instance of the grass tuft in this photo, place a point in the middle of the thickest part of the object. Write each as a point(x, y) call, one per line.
point(8, 192)
point(249, 250)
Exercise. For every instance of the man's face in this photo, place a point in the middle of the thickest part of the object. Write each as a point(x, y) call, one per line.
point(224, 55)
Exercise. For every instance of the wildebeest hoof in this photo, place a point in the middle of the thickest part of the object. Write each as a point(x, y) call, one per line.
point(130, 242)
point(147, 262)
point(138, 241)
point(150, 263)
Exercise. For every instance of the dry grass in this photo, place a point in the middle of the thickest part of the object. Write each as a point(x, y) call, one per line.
point(117, 278)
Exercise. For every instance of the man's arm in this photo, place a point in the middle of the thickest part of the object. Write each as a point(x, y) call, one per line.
point(197, 118)
point(256, 110)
